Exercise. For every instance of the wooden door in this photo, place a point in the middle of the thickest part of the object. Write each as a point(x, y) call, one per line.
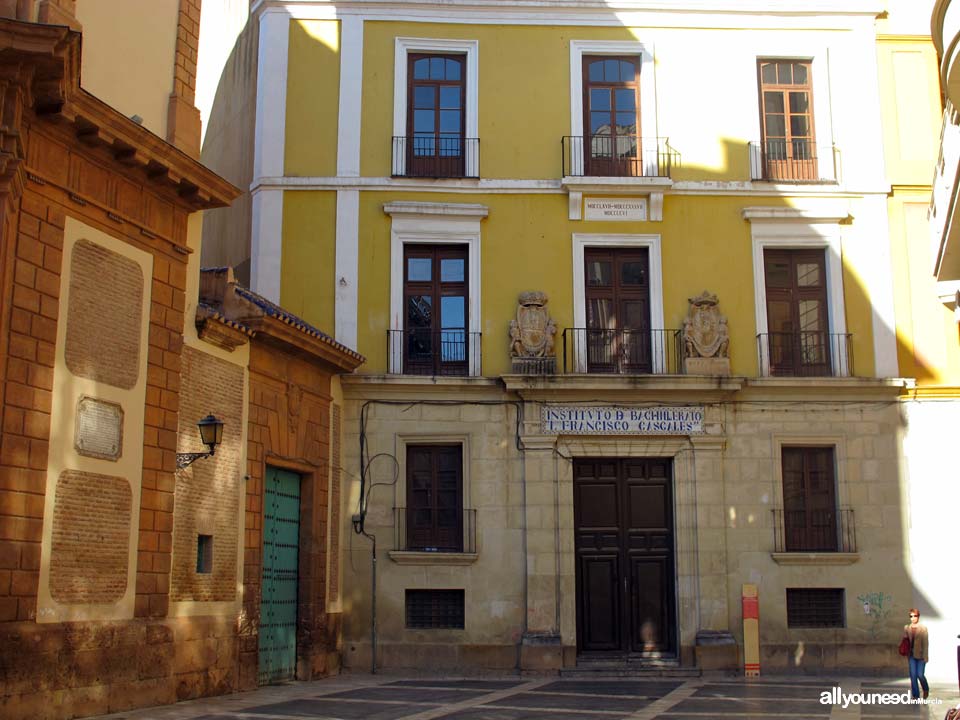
point(623, 512)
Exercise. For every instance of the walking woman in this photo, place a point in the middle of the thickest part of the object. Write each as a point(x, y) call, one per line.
point(919, 654)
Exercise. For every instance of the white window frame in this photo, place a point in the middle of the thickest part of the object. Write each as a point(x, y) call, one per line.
point(471, 48)
point(416, 223)
point(648, 94)
point(818, 56)
point(582, 241)
point(800, 236)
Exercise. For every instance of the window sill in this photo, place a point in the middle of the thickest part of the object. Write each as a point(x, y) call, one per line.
point(406, 557)
point(815, 558)
point(617, 184)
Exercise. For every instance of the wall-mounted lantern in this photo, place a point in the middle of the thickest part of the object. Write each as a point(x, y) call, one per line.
point(211, 434)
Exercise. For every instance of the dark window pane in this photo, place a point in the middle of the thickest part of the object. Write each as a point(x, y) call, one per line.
point(451, 145)
point(626, 100)
point(611, 70)
point(633, 273)
point(799, 126)
point(421, 69)
point(626, 122)
point(600, 123)
point(599, 99)
point(599, 272)
point(423, 96)
point(634, 316)
point(452, 269)
point(596, 71)
point(599, 313)
point(799, 74)
point(776, 127)
point(450, 98)
point(424, 146)
point(768, 73)
point(627, 71)
point(449, 121)
point(799, 102)
point(453, 311)
point(453, 69)
point(419, 311)
point(773, 102)
point(437, 68)
point(418, 269)
point(785, 73)
point(423, 121)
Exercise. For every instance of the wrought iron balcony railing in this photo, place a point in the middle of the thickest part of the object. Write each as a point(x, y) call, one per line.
point(806, 354)
point(814, 530)
point(436, 157)
point(435, 530)
point(623, 352)
point(617, 156)
point(434, 352)
point(794, 161)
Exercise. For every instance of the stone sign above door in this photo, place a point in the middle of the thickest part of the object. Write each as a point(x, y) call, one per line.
point(605, 420)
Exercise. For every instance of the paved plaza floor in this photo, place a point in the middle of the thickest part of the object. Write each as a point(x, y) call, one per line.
point(376, 697)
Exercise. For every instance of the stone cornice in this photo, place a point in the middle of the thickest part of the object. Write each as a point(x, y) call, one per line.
point(40, 74)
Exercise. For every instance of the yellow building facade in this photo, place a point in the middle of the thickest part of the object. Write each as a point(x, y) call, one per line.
point(632, 317)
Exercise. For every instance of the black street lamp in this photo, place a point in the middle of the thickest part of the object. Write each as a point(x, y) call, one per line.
point(211, 435)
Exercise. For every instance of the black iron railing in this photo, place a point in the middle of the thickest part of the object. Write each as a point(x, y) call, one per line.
point(436, 157)
point(814, 530)
point(806, 354)
point(435, 530)
point(623, 352)
point(617, 156)
point(434, 352)
point(781, 160)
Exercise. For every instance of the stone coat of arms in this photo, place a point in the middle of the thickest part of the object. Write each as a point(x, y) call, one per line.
point(531, 334)
point(706, 338)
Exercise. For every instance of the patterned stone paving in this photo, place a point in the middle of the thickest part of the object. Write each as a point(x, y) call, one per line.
point(356, 697)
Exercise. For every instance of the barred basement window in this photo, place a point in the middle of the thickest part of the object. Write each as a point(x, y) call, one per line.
point(204, 554)
point(435, 609)
point(815, 607)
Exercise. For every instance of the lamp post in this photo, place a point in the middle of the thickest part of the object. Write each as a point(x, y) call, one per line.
point(211, 435)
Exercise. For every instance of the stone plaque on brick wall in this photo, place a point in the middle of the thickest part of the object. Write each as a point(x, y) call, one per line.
point(91, 538)
point(594, 420)
point(104, 316)
point(99, 428)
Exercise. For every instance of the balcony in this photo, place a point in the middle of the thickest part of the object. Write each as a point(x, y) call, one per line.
point(451, 352)
point(436, 157)
point(806, 354)
point(624, 156)
point(435, 530)
point(621, 352)
point(814, 531)
point(794, 161)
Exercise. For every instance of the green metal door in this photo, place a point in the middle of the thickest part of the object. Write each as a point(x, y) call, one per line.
point(278, 600)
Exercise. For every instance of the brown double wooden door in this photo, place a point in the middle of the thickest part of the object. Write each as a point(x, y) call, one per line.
point(623, 512)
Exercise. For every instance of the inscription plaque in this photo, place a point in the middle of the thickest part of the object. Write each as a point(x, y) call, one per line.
point(592, 420)
point(615, 209)
point(99, 428)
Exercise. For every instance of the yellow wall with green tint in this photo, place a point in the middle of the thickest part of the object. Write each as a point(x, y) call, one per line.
point(307, 265)
point(313, 87)
point(526, 244)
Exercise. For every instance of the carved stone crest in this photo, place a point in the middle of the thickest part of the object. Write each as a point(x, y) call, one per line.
point(706, 338)
point(531, 335)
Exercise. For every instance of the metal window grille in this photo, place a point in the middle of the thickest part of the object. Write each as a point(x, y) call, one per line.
point(815, 607)
point(435, 609)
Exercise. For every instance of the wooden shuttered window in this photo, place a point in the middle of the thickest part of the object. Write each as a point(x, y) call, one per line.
point(435, 498)
point(809, 499)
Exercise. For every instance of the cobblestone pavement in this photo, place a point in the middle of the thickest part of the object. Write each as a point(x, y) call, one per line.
point(369, 697)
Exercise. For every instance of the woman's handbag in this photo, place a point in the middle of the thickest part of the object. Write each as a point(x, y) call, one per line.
point(904, 648)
